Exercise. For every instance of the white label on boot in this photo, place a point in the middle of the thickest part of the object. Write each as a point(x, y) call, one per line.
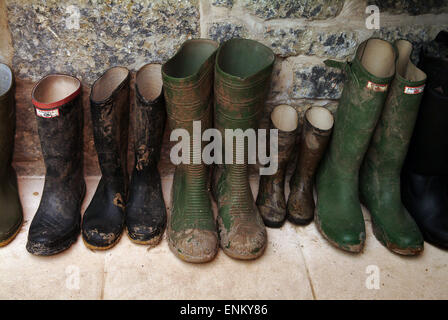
point(52, 113)
point(376, 87)
point(414, 90)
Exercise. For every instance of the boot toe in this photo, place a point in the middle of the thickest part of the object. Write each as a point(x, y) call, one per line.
point(407, 246)
point(145, 234)
point(342, 236)
point(437, 237)
point(194, 245)
point(245, 242)
point(300, 210)
point(407, 241)
point(98, 239)
point(48, 242)
point(272, 217)
point(9, 231)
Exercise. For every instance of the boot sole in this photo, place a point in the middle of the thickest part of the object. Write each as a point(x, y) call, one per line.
point(40, 249)
point(379, 235)
point(231, 254)
point(428, 238)
point(12, 237)
point(245, 257)
point(352, 249)
point(151, 243)
point(188, 258)
point(297, 221)
point(274, 224)
point(95, 248)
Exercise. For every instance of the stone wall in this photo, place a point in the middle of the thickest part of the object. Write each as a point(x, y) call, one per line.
point(86, 37)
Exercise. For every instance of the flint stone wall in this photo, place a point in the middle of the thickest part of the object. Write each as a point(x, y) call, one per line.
point(86, 37)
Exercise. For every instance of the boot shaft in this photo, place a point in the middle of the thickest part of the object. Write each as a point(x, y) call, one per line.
point(285, 119)
point(242, 78)
point(317, 127)
point(428, 150)
point(394, 129)
point(434, 62)
point(187, 80)
point(365, 90)
point(243, 71)
point(149, 116)
point(109, 106)
point(7, 118)
point(57, 100)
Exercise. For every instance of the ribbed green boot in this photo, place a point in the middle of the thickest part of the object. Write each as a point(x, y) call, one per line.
point(380, 172)
point(242, 77)
point(10, 208)
point(338, 213)
point(188, 82)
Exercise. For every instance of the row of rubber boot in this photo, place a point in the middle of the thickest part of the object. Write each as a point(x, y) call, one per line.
point(373, 127)
point(225, 87)
point(117, 202)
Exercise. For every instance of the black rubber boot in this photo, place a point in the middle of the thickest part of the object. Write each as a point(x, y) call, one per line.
point(11, 216)
point(103, 220)
point(145, 209)
point(425, 175)
point(58, 105)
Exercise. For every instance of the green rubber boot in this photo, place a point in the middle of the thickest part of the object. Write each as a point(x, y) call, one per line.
point(242, 77)
point(188, 82)
point(338, 213)
point(11, 216)
point(380, 172)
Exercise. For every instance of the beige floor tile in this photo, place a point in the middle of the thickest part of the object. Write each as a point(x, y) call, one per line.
point(74, 274)
point(339, 275)
point(133, 272)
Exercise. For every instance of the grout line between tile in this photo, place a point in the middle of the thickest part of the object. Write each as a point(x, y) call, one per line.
point(310, 281)
point(103, 279)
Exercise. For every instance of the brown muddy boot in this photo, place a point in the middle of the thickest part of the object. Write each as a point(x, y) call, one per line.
point(103, 221)
point(318, 123)
point(271, 200)
point(58, 105)
point(188, 83)
point(11, 216)
point(242, 77)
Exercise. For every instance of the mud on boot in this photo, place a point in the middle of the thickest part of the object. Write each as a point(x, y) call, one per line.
point(145, 208)
point(271, 200)
point(380, 171)
point(58, 106)
point(242, 78)
point(104, 218)
point(316, 131)
point(188, 88)
point(338, 212)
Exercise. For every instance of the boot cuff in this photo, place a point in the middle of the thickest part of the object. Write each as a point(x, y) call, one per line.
point(55, 90)
point(106, 87)
point(6, 80)
point(244, 60)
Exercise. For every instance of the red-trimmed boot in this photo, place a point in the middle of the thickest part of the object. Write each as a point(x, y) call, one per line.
point(58, 105)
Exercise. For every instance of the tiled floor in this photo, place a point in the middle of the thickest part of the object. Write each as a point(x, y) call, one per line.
point(298, 264)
